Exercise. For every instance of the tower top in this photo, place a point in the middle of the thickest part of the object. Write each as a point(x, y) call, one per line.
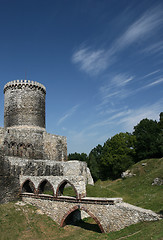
point(19, 84)
point(24, 104)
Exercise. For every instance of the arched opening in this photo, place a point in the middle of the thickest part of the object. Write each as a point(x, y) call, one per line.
point(28, 187)
point(74, 217)
point(13, 149)
point(6, 148)
point(29, 151)
point(21, 150)
point(65, 188)
point(45, 187)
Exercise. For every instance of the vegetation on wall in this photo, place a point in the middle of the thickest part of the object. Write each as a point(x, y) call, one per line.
point(124, 149)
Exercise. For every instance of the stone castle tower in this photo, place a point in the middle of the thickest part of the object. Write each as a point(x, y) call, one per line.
point(24, 133)
point(27, 151)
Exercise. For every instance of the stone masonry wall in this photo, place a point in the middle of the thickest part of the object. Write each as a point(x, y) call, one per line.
point(33, 142)
point(108, 217)
point(24, 104)
point(9, 182)
point(55, 147)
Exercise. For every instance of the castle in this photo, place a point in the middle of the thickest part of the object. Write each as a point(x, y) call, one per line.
point(26, 149)
point(32, 160)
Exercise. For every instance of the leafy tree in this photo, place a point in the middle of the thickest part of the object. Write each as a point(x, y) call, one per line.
point(117, 155)
point(148, 135)
point(78, 156)
point(94, 162)
point(160, 138)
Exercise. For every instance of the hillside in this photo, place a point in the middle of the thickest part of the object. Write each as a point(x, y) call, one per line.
point(137, 190)
point(25, 222)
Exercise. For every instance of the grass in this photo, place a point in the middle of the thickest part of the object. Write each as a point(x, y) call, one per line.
point(137, 190)
point(24, 223)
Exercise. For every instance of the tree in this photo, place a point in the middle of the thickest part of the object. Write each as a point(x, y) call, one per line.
point(117, 155)
point(148, 136)
point(160, 138)
point(78, 156)
point(94, 162)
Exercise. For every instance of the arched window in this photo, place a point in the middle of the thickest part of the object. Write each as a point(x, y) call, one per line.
point(28, 187)
point(6, 148)
point(13, 149)
point(21, 150)
point(65, 188)
point(74, 217)
point(29, 151)
point(45, 187)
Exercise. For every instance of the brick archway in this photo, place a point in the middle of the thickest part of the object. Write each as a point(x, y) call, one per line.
point(62, 224)
point(28, 181)
point(62, 185)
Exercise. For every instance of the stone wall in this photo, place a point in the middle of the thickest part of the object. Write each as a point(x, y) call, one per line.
point(2, 131)
point(24, 104)
point(31, 167)
point(55, 147)
point(24, 141)
point(33, 143)
point(77, 182)
point(9, 182)
point(110, 217)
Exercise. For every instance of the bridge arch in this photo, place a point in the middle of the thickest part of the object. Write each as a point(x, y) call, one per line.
point(42, 185)
point(75, 208)
point(61, 187)
point(28, 186)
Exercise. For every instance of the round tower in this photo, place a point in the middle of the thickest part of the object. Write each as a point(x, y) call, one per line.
point(24, 104)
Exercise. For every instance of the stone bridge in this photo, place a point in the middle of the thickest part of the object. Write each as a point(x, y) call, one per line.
point(111, 214)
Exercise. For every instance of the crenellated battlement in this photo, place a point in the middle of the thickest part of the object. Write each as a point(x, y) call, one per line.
point(24, 83)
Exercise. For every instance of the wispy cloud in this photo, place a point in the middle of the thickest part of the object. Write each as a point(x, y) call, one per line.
point(142, 28)
point(68, 114)
point(151, 73)
point(134, 116)
point(158, 81)
point(131, 117)
point(116, 86)
point(94, 61)
point(91, 61)
point(109, 120)
point(154, 48)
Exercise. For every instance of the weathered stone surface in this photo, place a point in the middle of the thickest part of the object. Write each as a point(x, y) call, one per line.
point(24, 104)
point(127, 174)
point(157, 181)
point(109, 217)
point(89, 177)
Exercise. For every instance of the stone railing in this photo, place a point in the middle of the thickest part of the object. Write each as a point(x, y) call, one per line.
point(19, 84)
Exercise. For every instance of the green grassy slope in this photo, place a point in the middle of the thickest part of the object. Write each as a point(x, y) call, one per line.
point(24, 222)
point(137, 190)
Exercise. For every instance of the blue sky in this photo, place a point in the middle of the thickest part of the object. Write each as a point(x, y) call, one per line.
point(100, 60)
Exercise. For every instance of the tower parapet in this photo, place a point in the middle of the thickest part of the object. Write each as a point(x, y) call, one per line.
point(24, 83)
point(24, 104)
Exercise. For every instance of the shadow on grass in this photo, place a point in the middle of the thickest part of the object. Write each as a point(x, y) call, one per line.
point(87, 226)
point(161, 213)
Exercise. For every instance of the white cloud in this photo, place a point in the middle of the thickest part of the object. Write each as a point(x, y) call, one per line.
point(116, 87)
point(160, 80)
point(121, 79)
point(151, 73)
point(68, 114)
point(142, 28)
point(154, 48)
point(91, 61)
point(134, 116)
point(95, 61)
